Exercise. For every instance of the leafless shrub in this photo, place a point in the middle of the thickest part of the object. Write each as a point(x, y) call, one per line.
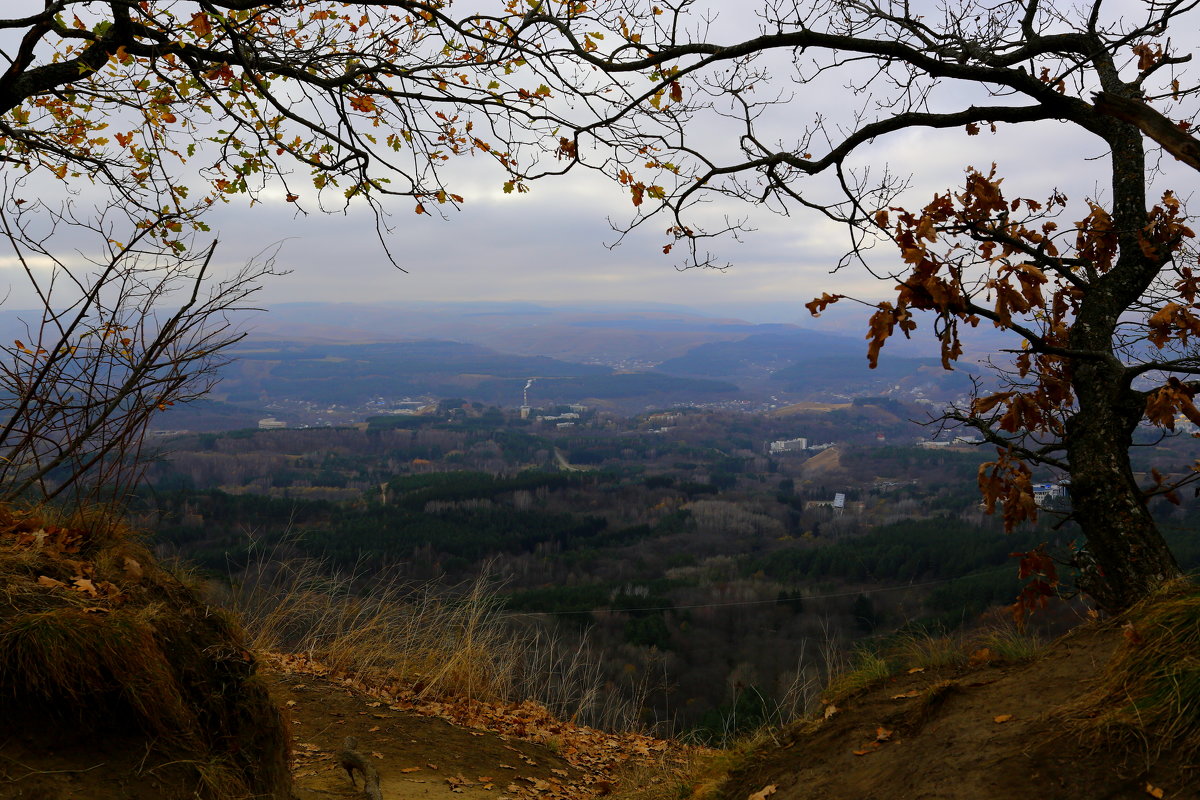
point(119, 333)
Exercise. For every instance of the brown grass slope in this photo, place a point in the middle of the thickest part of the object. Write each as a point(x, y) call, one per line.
point(114, 675)
point(1112, 710)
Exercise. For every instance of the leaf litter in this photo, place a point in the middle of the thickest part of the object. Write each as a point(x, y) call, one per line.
point(589, 758)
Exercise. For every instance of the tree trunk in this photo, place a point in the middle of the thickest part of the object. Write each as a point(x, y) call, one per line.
point(1128, 556)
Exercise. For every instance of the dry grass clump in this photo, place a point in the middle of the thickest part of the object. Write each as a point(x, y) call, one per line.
point(443, 645)
point(920, 649)
point(95, 635)
point(1149, 695)
point(866, 668)
point(439, 642)
point(1007, 643)
point(686, 772)
point(923, 649)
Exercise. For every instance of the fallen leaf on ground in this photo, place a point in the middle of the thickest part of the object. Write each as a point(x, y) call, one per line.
point(1003, 718)
point(981, 656)
point(764, 792)
point(882, 734)
point(830, 710)
point(915, 670)
point(86, 586)
point(906, 695)
point(406, 770)
point(1154, 791)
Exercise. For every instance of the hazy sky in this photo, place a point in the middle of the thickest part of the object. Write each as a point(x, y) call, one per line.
point(549, 245)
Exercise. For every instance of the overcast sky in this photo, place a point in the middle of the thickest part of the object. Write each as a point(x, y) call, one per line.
point(549, 245)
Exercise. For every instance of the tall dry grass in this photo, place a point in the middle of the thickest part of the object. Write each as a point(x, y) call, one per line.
point(1148, 697)
point(439, 641)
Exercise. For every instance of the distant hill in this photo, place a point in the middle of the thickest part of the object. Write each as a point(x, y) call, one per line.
point(817, 365)
point(352, 374)
point(853, 375)
point(761, 353)
point(645, 333)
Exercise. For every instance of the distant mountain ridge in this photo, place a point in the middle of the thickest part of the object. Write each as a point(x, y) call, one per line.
point(645, 334)
point(631, 358)
point(762, 351)
point(350, 374)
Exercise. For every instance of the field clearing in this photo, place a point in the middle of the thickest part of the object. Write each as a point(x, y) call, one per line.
point(807, 407)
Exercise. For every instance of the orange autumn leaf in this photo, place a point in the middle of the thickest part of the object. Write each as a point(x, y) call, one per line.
point(1002, 718)
point(200, 24)
point(86, 586)
point(981, 656)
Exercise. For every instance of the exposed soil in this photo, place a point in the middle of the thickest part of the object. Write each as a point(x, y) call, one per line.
point(512, 751)
point(429, 748)
point(41, 760)
point(416, 756)
point(825, 464)
point(987, 731)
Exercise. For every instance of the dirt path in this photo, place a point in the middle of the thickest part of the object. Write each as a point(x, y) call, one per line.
point(416, 756)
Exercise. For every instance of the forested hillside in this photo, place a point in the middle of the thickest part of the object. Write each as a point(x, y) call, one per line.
point(696, 563)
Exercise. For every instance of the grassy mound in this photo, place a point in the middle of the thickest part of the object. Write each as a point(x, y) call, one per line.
point(97, 644)
point(1148, 697)
point(1110, 710)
